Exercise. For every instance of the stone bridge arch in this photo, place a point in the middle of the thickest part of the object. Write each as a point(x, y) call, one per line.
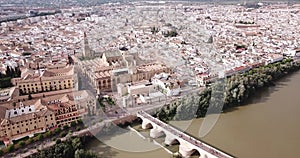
point(187, 150)
point(146, 124)
point(196, 152)
point(187, 145)
point(171, 140)
point(157, 132)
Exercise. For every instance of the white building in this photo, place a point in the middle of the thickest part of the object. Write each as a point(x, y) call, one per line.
point(164, 82)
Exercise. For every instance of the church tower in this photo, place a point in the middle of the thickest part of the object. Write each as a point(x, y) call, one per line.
point(86, 50)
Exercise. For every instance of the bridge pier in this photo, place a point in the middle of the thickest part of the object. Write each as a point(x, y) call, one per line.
point(203, 156)
point(146, 124)
point(186, 151)
point(155, 132)
point(187, 144)
point(170, 140)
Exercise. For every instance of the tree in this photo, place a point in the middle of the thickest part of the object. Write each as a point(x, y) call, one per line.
point(73, 124)
point(8, 71)
point(21, 143)
point(5, 82)
point(1, 152)
point(29, 97)
point(17, 72)
point(80, 153)
point(70, 148)
point(30, 140)
point(12, 72)
point(237, 90)
point(10, 148)
point(70, 60)
point(65, 127)
point(58, 141)
point(57, 130)
point(76, 143)
point(48, 134)
point(162, 115)
point(79, 121)
point(187, 109)
point(63, 134)
point(39, 137)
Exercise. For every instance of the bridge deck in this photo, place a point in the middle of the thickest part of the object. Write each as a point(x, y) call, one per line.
point(186, 137)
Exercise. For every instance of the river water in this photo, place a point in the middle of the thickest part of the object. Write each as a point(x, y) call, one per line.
point(266, 127)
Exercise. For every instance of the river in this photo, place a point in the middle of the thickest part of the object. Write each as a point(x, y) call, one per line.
point(267, 126)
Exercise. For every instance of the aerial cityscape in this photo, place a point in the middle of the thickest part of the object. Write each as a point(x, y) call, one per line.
point(112, 79)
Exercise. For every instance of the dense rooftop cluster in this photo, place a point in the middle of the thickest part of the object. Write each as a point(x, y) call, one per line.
point(143, 51)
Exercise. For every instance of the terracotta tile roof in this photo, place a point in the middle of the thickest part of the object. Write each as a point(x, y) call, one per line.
point(27, 116)
point(67, 70)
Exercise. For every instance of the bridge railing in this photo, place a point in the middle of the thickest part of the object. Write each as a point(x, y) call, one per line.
point(186, 137)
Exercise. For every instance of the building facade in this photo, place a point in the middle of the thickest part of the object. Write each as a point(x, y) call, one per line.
point(39, 115)
point(45, 80)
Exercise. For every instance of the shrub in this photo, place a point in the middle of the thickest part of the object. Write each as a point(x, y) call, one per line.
point(58, 141)
point(48, 134)
point(73, 124)
point(78, 128)
point(63, 134)
point(57, 130)
point(79, 121)
point(21, 143)
point(11, 148)
point(39, 137)
point(29, 97)
point(30, 140)
point(54, 139)
point(65, 127)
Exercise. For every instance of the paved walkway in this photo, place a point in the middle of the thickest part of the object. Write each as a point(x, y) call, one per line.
point(46, 145)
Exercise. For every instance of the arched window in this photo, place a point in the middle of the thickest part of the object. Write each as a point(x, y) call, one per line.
point(104, 83)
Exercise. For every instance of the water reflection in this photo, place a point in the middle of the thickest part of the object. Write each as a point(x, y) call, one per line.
point(267, 126)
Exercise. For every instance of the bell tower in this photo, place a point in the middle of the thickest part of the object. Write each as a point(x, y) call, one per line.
point(86, 50)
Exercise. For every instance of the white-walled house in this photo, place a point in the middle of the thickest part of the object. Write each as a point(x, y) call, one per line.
point(166, 84)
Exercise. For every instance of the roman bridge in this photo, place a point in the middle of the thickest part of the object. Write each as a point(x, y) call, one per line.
point(187, 144)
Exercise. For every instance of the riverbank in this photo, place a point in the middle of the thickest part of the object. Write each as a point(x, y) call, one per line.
point(226, 94)
point(285, 71)
point(72, 147)
point(28, 146)
point(268, 125)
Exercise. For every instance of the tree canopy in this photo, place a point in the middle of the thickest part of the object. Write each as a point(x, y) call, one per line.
point(71, 148)
point(5, 79)
point(228, 93)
